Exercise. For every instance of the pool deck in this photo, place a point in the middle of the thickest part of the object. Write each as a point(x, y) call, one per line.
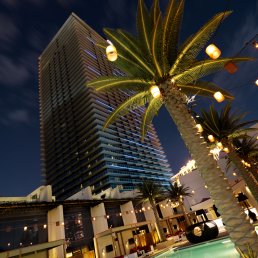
point(184, 243)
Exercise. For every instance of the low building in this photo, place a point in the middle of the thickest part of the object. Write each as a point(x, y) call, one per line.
point(200, 202)
point(109, 224)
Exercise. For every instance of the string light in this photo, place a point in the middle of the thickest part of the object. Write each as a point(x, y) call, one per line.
point(256, 82)
point(211, 138)
point(199, 128)
point(220, 145)
point(226, 150)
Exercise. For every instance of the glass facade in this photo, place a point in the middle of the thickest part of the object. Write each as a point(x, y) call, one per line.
point(76, 151)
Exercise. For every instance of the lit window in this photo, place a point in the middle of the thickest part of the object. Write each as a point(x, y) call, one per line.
point(90, 53)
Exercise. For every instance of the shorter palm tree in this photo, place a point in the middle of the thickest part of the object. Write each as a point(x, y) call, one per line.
point(150, 191)
point(223, 129)
point(176, 193)
point(247, 150)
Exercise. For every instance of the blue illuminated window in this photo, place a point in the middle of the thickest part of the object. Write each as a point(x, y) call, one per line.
point(90, 53)
point(94, 70)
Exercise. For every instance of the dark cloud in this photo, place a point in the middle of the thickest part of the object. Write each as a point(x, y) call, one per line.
point(17, 3)
point(19, 116)
point(8, 31)
point(14, 117)
point(12, 73)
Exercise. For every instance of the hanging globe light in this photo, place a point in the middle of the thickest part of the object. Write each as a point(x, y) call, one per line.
point(213, 52)
point(231, 67)
point(155, 91)
point(219, 96)
point(111, 53)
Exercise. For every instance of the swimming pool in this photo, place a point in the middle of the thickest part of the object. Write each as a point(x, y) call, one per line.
point(222, 248)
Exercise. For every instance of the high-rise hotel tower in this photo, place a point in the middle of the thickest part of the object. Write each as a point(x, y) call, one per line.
point(76, 151)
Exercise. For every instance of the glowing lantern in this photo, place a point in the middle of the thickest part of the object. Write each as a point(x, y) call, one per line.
point(226, 150)
point(199, 128)
point(155, 91)
point(256, 82)
point(219, 96)
point(213, 52)
point(220, 145)
point(211, 138)
point(255, 43)
point(111, 53)
point(231, 67)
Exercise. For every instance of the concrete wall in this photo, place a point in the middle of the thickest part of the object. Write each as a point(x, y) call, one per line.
point(196, 185)
point(148, 212)
point(99, 222)
point(127, 215)
point(165, 208)
point(56, 230)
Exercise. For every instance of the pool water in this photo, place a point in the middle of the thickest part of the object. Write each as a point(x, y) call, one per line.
point(222, 248)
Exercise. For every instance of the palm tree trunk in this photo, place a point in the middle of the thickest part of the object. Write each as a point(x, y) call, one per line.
point(240, 230)
point(159, 227)
point(250, 182)
point(188, 222)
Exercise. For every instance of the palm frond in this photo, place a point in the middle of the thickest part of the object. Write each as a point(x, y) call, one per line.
point(126, 65)
point(174, 33)
point(155, 12)
point(167, 25)
point(149, 189)
point(195, 43)
point(203, 88)
point(175, 192)
point(150, 112)
point(242, 132)
point(138, 100)
point(112, 83)
point(124, 49)
point(225, 125)
point(144, 26)
point(155, 46)
point(203, 68)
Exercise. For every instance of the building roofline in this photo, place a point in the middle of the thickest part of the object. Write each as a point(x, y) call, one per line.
point(68, 20)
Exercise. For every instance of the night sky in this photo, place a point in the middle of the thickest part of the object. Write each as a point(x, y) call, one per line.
point(26, 27)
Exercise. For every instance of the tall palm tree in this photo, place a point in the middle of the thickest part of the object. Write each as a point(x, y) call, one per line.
point(154, 61)
point(226, 127)
point(176, 193)
point(150, 191)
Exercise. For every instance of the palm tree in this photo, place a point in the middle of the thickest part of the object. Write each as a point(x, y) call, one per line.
point(150, 191)
point(226, 127)
point(247, 149)
point(176, 194)
point(160, 72)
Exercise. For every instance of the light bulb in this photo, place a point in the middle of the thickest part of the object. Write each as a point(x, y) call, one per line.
point(155, 91)
point(218, 96)
point(111, 53)
point(211, 138)
point(199, 128)
point(213, 52)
